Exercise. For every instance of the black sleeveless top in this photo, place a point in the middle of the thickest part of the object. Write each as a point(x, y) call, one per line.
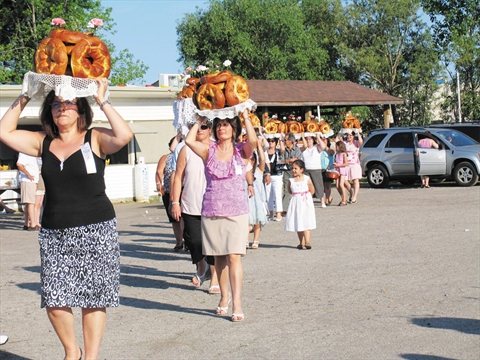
point(73, 197)
point(273, 163)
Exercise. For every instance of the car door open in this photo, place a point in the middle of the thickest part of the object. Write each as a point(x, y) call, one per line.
point(430, 161)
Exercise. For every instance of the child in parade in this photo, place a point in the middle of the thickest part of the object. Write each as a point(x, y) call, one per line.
point(301, 212)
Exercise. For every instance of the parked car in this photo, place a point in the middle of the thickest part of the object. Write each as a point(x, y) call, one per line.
point(471, 129)
point(394, 154)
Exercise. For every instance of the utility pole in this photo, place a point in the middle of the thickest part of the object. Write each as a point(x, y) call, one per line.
point(459, 101)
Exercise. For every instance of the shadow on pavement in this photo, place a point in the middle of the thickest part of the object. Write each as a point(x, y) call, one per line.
point(423, 357)
point(5, 355)
point(467, 326)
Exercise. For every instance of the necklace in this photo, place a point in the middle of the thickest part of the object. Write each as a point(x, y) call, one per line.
point(222, 151)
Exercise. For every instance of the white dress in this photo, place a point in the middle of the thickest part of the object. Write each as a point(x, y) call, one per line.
point(301, 212)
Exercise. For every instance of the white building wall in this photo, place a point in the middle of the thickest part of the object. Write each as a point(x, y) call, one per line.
point(149, 108)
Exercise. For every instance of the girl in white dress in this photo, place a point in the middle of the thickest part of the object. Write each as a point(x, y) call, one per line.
point(301, 212)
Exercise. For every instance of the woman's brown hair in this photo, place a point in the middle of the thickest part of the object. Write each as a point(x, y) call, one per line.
point(83, 108)
point(234, 123)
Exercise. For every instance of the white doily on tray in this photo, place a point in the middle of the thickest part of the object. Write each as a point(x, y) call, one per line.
point(347, 131)
point(228, 112)
point(328, 134)
point(184, 113)
point(67, 87)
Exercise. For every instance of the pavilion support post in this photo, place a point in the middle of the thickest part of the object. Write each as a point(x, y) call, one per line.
point(387, 113)
point(264, 115)
point(308, 113)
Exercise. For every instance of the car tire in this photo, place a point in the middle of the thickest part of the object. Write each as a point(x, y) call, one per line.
point(377, 176)
point(465, 174)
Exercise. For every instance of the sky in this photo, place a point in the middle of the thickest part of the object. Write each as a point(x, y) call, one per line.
point(147, 28)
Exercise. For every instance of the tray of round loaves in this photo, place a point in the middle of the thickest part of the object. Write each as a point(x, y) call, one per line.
point(220, 95)
point(68, 62)
point(309, 128)
point(350, 124)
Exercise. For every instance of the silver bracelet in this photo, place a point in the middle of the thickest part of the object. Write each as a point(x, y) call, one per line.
point(175, 203)
point(104, 103)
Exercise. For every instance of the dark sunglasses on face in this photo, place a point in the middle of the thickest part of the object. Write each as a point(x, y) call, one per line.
point(271, 140)
point(204, 127)
point(67, 104)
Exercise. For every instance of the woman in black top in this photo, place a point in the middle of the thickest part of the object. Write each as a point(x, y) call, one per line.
point(78, 240)
point(275, 189)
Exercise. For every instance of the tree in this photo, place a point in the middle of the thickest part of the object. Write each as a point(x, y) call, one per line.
point(264, 39)
point(390, 49)
point(456, 30)
point(25, 23)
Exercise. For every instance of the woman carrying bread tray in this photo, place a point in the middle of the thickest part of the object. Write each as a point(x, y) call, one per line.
point(225, 206)
point(80, 257)
point(311, 156)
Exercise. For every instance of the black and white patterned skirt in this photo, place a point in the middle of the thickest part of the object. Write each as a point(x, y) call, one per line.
point(80, 266)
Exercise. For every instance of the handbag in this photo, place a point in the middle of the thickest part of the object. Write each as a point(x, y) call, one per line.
point(280, 168)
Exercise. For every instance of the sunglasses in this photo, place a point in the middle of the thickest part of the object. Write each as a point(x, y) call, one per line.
point(204, 127)
point(271, 140)
point(68, 104)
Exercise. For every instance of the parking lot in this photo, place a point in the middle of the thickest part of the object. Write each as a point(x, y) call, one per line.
point(395, 276)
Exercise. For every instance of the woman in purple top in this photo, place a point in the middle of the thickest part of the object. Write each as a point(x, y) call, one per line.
point(225, 207)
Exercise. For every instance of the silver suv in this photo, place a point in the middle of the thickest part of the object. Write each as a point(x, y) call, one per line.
point(394, 154)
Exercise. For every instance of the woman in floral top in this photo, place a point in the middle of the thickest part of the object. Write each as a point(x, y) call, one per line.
point(225, 207)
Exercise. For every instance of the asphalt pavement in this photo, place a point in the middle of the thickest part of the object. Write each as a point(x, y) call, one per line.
point(395, 276)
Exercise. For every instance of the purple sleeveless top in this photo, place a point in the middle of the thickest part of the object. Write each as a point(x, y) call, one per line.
point(225, 192)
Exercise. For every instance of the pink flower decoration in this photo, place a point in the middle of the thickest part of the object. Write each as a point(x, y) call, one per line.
point(58, 22)
point(94, 23)
point(299, 118)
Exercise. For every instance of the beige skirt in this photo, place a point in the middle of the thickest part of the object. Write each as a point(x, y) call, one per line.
point(224, 235)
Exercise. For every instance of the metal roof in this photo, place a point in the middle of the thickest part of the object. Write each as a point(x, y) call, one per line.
point(316, 93)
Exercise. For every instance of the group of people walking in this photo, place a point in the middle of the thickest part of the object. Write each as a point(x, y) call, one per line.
point(218, 185)
point(319, 154)
point(216, 188)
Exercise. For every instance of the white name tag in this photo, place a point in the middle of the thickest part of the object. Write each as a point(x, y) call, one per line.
point(238, 169)
point(88, 158)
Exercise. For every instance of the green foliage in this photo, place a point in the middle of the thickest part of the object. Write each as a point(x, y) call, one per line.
point(126, 70)
point(391, 50)
point(456, 30)
point(266, 39)
point(24, 24)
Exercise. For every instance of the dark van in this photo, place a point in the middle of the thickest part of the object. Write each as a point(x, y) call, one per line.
point(471, 129)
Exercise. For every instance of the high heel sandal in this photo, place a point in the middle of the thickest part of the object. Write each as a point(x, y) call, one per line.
point(223, 310)
point(238, 317)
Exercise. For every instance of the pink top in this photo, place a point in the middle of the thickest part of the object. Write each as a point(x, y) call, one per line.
point(352, 152)
point(425, 143)
point(225, 192)
point(193, 184)
point(339, 160)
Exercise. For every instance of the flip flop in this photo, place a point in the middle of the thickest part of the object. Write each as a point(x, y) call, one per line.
point(199, 278)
